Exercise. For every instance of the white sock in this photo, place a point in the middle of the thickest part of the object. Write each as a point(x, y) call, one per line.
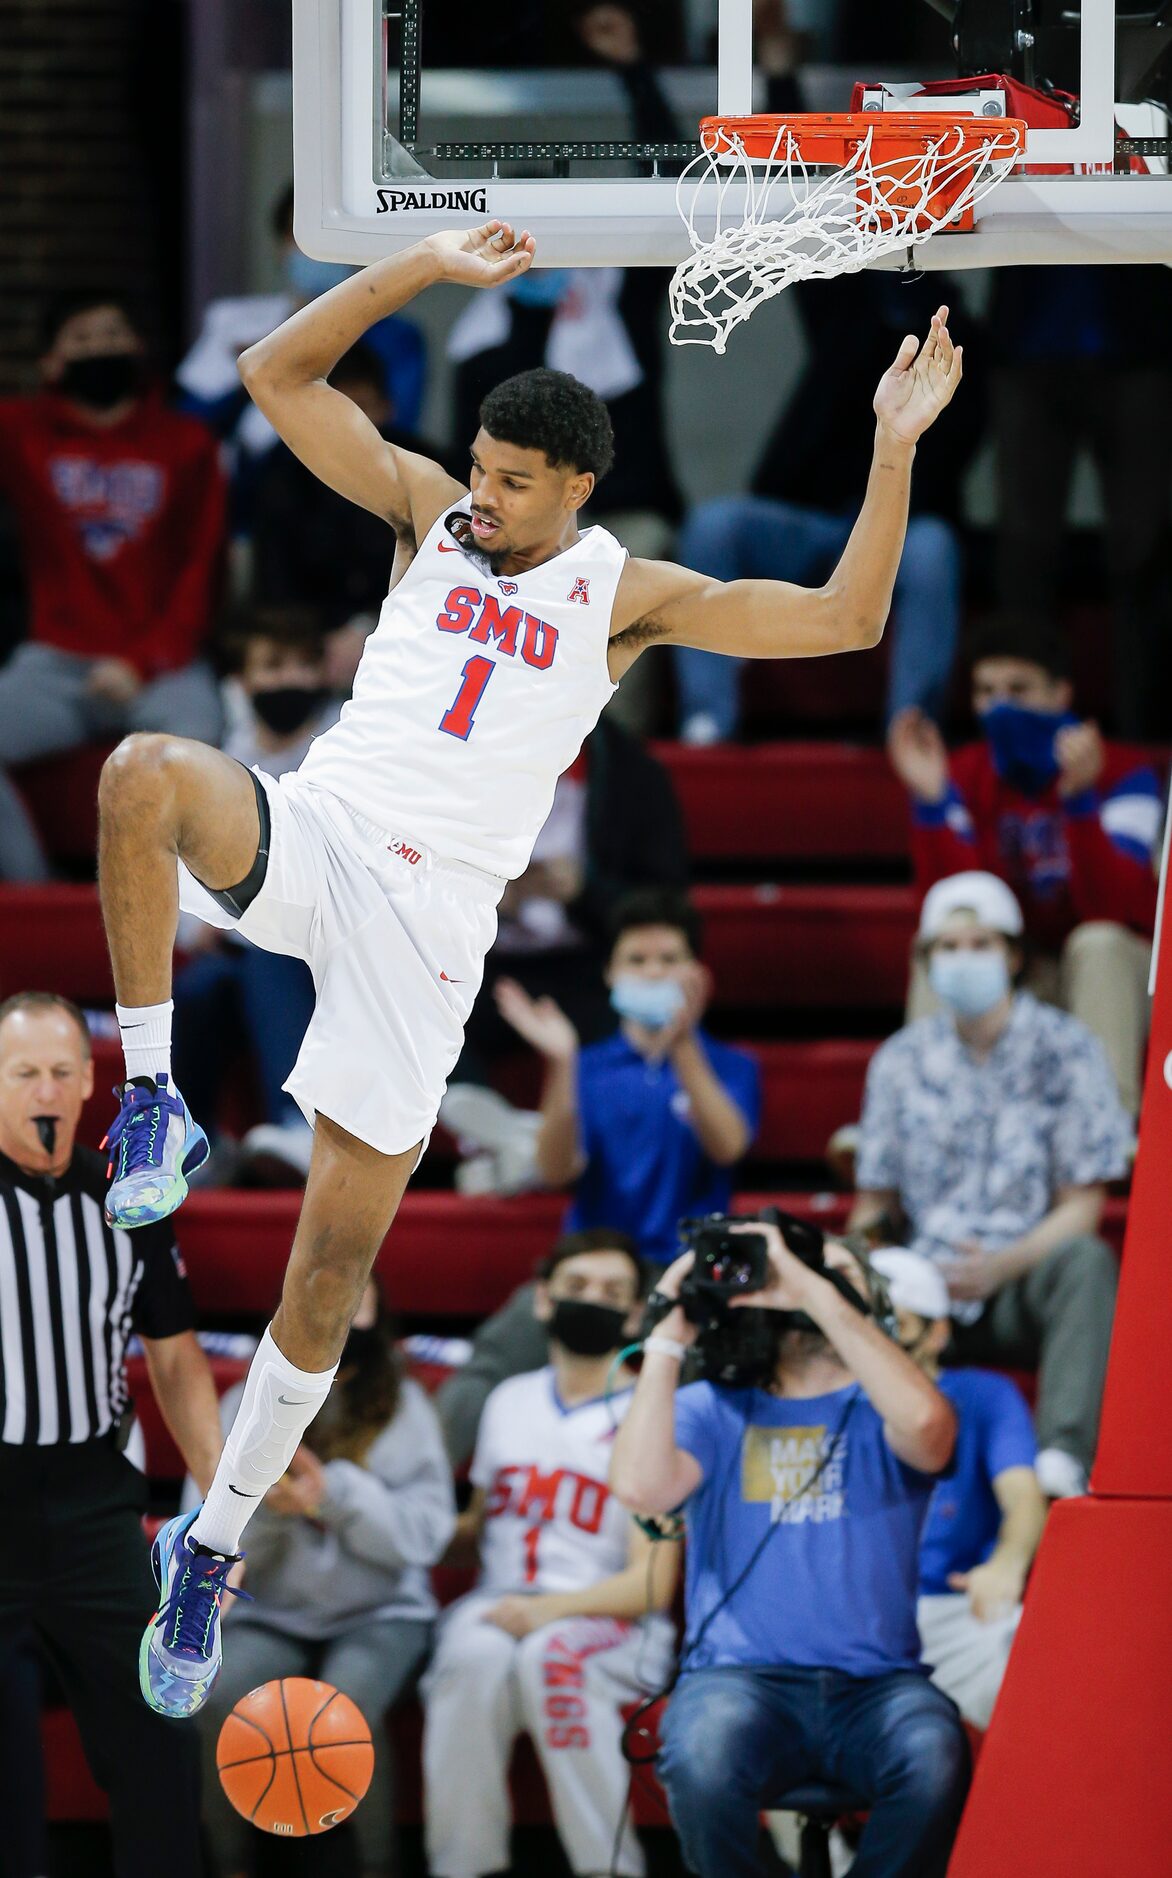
point(146, 1038)
point(278, 1404)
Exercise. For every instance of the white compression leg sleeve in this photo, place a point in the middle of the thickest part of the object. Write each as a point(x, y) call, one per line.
point(278, 1404)
point(145, 1030)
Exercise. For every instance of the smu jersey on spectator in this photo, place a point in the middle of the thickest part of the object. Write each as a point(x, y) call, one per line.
point(1086, 857)
point(551, 1521)
point(476, 690)
point(120, 526)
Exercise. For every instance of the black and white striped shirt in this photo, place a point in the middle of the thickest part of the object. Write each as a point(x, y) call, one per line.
point(72, 1290)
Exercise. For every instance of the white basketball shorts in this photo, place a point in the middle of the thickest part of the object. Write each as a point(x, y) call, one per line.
point(396, 939)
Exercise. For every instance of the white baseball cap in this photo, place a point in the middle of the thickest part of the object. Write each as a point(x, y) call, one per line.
point(915, 1284)
point(984, 895)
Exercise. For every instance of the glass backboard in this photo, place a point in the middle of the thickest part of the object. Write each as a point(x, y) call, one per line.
point(414, 115)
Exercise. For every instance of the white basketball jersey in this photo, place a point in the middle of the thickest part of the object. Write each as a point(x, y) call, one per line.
point(476, 690)
point(552, 1523)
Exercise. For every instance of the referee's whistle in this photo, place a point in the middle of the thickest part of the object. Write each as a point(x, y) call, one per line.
point(46, 1126)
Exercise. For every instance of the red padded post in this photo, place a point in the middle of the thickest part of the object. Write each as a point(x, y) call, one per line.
point(1073, 1780)
point(1135, 1439)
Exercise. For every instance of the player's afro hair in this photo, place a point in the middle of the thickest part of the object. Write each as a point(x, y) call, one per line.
point(550, 411)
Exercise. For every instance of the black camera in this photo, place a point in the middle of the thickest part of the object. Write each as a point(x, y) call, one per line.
point(739, 1348)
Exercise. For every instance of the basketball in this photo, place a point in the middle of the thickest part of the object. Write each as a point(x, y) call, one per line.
point(295, 1757)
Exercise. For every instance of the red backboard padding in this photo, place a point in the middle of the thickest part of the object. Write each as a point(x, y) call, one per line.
point(1073, 1778)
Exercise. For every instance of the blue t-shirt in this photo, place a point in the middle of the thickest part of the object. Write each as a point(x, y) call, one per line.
point(646, 1169)
point(835, 1585)
point(994, 1432)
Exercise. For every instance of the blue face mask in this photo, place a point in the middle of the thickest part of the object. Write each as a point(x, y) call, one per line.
point(307, 278)
point(653, 1002)
point(539, 286)
point(1022, 742)
point(969, 983)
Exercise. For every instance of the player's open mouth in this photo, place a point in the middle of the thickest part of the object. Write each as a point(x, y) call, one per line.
point(483, 529)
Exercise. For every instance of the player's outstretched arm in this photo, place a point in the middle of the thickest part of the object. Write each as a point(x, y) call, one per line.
point(772, 619)
point(286, 373)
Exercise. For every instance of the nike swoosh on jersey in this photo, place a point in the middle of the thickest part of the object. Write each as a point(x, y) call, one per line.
point(240, 1493)
point(291, 1402)
point(446, 547)
point(453, 981)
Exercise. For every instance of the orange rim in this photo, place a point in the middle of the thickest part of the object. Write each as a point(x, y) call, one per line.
point(831, 138)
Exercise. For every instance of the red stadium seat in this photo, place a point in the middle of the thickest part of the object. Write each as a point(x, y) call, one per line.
point(71, 1792)
point(163, 1459)
point(830, 948)
point(789, 802)
point(809, 1089)
point(445, 1256)
point(51, 938)
point(833, 948)
point(62, 795)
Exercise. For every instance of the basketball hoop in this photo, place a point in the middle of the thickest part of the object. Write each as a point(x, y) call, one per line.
point(810, 196)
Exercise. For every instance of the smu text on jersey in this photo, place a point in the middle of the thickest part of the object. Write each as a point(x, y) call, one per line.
point(528, 1493)
point(483, 618)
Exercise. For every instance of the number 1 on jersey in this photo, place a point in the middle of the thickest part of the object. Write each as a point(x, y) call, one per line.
point(531, 1538)
point(475, 676)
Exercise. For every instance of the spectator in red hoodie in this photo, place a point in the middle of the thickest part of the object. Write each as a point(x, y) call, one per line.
point(1069, 820)
point(120, 506)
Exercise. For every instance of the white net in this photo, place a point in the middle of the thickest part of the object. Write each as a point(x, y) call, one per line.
point(779, 220)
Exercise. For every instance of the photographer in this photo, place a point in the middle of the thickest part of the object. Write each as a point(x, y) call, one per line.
point(804, 1498)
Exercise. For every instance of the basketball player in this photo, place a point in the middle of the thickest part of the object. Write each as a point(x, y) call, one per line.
point(381, 860)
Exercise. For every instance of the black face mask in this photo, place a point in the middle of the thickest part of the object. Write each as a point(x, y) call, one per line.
point(586, 1329)
point(103, 380)
point(285, 708)
point(360, 1348)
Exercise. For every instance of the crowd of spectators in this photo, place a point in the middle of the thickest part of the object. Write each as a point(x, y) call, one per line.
point(184, 573)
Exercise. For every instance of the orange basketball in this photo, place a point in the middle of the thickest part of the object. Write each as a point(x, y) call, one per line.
point(295, 1757)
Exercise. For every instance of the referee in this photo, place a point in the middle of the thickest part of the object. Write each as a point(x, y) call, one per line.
point(74, 1564)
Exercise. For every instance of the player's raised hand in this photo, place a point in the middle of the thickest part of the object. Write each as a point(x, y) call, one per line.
point(920, 383)
point(487, 256)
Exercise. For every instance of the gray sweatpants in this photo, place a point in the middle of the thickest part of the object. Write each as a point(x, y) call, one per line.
point(45, 710)
point(1058, 1316)
point(375, 1665)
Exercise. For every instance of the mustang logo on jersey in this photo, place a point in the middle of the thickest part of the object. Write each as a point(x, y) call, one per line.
point(482, 617)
